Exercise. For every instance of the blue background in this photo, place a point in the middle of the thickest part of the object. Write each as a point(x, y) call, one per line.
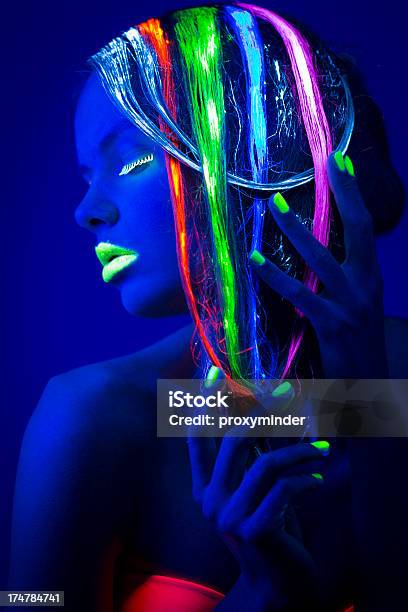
point(57, 312)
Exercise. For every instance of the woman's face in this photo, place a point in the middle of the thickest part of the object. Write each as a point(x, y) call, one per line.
point(128, 209)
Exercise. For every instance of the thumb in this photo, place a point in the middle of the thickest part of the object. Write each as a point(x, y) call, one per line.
point(279, 400)
point(213, 375)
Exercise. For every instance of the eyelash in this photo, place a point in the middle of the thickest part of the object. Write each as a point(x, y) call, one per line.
point(127, 168)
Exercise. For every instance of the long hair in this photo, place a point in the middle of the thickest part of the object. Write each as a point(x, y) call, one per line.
point(244, 106)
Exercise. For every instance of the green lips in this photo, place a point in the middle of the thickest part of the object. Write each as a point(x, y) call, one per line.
point(114, 259)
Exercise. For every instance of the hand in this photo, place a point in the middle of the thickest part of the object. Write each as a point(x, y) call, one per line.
point(347, 315)
point(252, 510)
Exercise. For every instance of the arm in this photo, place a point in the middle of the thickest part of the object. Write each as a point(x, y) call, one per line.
point(68, 508)
point(347, 316)
point(251, 509)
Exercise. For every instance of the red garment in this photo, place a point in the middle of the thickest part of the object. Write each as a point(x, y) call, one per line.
point(164, 594)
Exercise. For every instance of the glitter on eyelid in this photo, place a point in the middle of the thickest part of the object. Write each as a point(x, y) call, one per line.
point(139, 162)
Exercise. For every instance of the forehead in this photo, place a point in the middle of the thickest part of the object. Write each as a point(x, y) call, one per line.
point(97, 118)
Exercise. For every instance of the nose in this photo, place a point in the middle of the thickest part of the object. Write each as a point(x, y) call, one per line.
point(94, 212)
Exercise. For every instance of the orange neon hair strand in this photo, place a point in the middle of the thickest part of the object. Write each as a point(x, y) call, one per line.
point(155, 35)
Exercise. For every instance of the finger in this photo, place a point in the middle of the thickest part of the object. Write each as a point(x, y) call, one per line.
point(202, 450)
point(236, 449)
point(292, 523)
point(311, 305)
point(357, 222)
point(213, 375)
point(231, 462)
point(279, 400)
point(268, 516)
point(267, 469)
point(317, 256)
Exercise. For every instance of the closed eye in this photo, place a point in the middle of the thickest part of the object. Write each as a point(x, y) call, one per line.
point(127, 168)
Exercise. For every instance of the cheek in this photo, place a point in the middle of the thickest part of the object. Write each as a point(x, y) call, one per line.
point(154, 287)
point(150, 219)
point(148, 225)
point(145, 215)
point(149, 228)
point(149, 203)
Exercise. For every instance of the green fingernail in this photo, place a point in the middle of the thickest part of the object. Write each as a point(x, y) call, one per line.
point(283, 389)
point(280, 203)
point(339, 159)
point(212, 376)
point(257, 258)
point(322, 445)
point(349, 166)
point(317, 476)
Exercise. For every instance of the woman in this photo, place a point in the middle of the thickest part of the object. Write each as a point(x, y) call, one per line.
point(211, 111)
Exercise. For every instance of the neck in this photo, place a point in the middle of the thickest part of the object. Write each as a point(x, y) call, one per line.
point(171, 356)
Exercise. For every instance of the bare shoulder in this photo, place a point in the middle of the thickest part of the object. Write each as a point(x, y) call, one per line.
point(101, 406)
point(79, 468)
point(89, 430)
point(396, 336)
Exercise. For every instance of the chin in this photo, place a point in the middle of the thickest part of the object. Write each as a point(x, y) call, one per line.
point(164, 302)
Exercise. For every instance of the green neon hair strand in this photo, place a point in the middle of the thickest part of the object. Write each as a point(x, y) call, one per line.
point(199, 42)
